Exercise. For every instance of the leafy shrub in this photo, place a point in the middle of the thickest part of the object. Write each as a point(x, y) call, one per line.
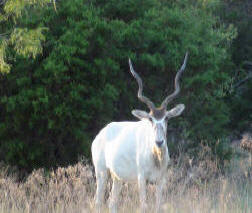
point(52, 106)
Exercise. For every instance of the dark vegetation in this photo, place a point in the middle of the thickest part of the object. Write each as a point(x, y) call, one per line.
point(64, 73)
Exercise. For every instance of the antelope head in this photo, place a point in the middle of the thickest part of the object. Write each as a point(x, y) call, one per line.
point(158, 116)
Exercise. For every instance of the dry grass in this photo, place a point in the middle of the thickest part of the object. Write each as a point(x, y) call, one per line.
point(192, 187)
point(246, 142)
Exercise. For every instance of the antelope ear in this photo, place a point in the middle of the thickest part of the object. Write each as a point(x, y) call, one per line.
point(176, 111)
point(140, 114)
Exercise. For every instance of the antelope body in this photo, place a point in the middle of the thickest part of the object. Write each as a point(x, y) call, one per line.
point(135, 151)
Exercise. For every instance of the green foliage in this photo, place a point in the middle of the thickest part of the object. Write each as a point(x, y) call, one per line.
point(239, 99)
point(52, 106)
point(241, 108)
point(15, 8)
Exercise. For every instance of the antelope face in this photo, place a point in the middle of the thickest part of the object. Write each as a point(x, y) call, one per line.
point(159, 119)
point(159, 130)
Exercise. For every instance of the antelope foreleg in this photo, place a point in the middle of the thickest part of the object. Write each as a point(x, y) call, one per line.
point(142, 193)
point(116, 188)
point(101, 179)
point(159, 194)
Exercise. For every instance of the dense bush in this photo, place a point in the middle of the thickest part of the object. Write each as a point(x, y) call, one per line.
point(52, 106)
point(239, 98)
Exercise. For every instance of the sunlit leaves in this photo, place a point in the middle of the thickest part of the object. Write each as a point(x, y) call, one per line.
point(27, 42)
point(15, 8)
point(4, 67)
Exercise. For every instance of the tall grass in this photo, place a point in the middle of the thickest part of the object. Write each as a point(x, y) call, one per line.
point(192, 187)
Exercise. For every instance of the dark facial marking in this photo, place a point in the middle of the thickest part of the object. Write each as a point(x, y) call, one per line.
point(158, 113)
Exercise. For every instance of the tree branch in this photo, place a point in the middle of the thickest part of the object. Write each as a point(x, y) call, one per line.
point(243, 80)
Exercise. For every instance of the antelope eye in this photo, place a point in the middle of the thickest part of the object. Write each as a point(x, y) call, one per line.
point(151, 119)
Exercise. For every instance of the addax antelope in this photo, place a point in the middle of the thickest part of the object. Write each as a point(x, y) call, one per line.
point(135, 151)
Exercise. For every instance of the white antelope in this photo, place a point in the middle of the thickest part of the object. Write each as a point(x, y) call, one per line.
point(135, 151)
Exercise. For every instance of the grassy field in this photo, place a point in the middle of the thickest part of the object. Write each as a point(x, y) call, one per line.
point(192, 187)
